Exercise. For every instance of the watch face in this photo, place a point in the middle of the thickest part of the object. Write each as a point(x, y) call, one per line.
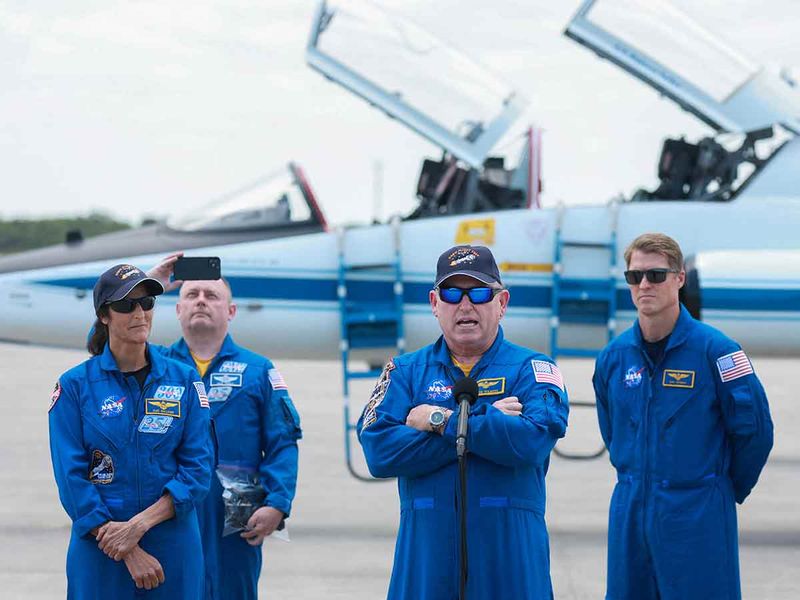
point(437, 418)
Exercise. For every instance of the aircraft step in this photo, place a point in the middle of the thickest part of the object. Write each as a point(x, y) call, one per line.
point(350, 267)
point(369, 317)
point(592, 245)
point(371, 374)
point(583, 318)
point(585, 295)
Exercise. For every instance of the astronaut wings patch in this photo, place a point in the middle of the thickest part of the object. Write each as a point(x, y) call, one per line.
point(377, 395)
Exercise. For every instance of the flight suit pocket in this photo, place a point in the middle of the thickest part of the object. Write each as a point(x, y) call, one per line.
point(291, 417)
point(742, 419)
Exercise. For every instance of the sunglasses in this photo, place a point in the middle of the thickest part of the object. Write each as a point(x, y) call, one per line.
point(478, 295)
point(635, 276)
point(128, 305)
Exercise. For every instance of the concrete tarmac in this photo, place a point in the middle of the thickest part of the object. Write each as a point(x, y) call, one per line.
point(342, 530)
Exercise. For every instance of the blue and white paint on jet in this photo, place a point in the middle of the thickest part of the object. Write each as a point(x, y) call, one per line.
point(735, 211)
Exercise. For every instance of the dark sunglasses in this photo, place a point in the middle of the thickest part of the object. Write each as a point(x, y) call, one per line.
point(128, 305)
point(635, 277)
point(478, 295)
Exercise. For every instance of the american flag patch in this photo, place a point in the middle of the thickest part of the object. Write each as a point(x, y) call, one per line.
point(732, 366)
point(546, 372)
point(276, 380)
point(201, 393)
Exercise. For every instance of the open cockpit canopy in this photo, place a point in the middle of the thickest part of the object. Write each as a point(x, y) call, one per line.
point(413, 77)
point(663, 47)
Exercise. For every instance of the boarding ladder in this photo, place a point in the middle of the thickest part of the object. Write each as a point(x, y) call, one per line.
point(371, 311)
point(589, 302)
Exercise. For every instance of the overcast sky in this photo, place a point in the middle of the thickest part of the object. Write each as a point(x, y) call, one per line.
point(151, 107)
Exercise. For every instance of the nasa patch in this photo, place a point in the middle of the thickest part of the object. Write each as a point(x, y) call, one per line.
point(633, 377)
point(101, 468)
point(112, 406)
point(54, 396)
point(229, 379)
point(230, 366)
point(439, 391)
point(219, 393)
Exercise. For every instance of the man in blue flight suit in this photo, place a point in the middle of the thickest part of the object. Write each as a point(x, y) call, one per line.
point(256, 424)
point(688, 429)
point(407, 432)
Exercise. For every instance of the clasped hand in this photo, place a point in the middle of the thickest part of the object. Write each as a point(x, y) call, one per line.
point(117, 538)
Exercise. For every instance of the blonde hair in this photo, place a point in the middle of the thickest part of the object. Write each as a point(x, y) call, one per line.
point(656, 243)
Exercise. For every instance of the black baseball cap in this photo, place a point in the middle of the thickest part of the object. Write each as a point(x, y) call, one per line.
point(473, 261)
point(119, 280)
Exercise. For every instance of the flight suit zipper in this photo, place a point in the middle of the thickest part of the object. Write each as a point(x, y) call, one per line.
point(136, 432)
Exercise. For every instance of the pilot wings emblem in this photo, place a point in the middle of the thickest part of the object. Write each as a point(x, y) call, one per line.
point(678, 378)
point(167, 408)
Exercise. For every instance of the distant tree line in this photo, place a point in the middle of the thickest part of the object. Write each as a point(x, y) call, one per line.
point(18, 235)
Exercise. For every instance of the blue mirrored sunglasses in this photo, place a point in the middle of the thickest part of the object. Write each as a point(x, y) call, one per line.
point(477, 295)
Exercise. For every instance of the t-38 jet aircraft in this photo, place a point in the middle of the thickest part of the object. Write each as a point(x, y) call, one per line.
point(307, 291)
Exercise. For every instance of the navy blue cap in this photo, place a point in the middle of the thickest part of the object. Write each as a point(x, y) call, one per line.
point(119, 280)
point(473, 261)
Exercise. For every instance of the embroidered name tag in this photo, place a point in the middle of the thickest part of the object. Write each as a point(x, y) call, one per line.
point(167, 408)
point(491, 386)
point(678, 379)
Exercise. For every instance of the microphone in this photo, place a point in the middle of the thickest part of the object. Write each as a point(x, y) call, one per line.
point(465, 391)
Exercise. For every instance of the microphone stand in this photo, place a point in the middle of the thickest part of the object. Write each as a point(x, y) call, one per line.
point(466, 392)
point(461, 452)
point(462, 476)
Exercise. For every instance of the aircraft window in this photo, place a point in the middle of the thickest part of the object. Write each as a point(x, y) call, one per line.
point(672, 39)
point(404, 59)
point(272, 200)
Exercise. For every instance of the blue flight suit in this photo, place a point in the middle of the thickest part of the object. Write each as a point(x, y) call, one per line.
point(257, 428)
point(688, 437)
point(116, 449)
point(508, 546)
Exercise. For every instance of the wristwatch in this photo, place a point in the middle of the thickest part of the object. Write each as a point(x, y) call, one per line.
point(437, 420)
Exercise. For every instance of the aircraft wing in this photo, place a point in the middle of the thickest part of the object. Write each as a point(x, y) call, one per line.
point(664, 48)
point(413, 77)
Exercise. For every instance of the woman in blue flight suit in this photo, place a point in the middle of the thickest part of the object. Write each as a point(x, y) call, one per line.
point(132, 454)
